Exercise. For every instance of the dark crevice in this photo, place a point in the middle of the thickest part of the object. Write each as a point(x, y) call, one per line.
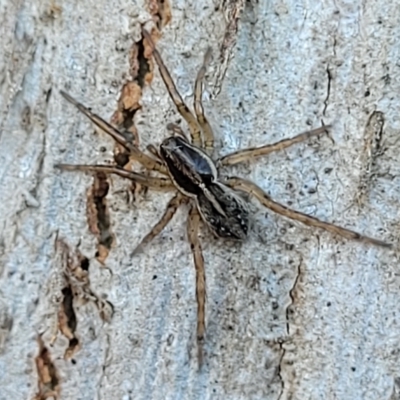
point(48, 95)
point(103, 220)
point(143, 64)
point(279, 369)
point(98, 197)
point(288, 311)
point(68, 321)
point(334, 46)
point(85, 263)
point(328, 91)
point(68, 298)
point(292, 297)
point(73, 343)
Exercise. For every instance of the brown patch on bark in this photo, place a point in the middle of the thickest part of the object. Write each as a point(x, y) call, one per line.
point(161, 12)
point(131, 94)
point(141, 67)
point(129, 101)
point(51, 12)
point(141, 73)
point(48, 380)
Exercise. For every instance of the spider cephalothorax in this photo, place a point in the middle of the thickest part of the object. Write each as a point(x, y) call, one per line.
point(188, 169)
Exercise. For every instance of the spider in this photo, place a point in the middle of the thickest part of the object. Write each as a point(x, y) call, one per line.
point(186, 167)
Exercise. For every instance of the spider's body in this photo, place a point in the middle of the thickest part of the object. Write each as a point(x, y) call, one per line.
point(188, 168)
point(195, 175)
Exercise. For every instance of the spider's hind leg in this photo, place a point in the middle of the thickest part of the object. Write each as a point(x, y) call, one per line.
point(265, 200)
point(195, 246)
point(248, 154)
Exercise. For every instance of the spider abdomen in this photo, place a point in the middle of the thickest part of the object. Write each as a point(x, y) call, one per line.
point(233, 221)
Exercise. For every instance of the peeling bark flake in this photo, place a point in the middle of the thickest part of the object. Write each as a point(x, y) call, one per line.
point(160, 11)
point(48, 382)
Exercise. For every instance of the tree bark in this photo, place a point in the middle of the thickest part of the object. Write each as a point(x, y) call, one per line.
point(292, 313)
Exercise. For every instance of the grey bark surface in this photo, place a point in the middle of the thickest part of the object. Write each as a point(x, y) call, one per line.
point(293, 313)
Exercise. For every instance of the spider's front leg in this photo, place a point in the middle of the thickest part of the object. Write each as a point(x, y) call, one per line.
point(198, 105)
point(136, 154)
point(148, 181)
point(195, 247)
point(181, 106)
point(255, 191)
point(248, 154)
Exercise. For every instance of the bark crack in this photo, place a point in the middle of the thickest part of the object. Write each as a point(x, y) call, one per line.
point(232, 10)
point(328, 90)
point(71, 290)
point(373, 149)
point(106, 364)
point(292, 295)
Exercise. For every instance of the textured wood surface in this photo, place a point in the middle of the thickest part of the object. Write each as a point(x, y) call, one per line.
point(293, 313)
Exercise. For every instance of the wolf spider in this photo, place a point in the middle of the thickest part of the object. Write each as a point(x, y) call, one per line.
point(186, 167)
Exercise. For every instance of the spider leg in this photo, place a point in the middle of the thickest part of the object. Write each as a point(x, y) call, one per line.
point(198, 106)
point(176, 130)
point(169, 212)
point(153, 150)
point(254, 190)
point(248, 154)
point(183, 109)
point(138, 155)
point(148, 181)
point(195, 246)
